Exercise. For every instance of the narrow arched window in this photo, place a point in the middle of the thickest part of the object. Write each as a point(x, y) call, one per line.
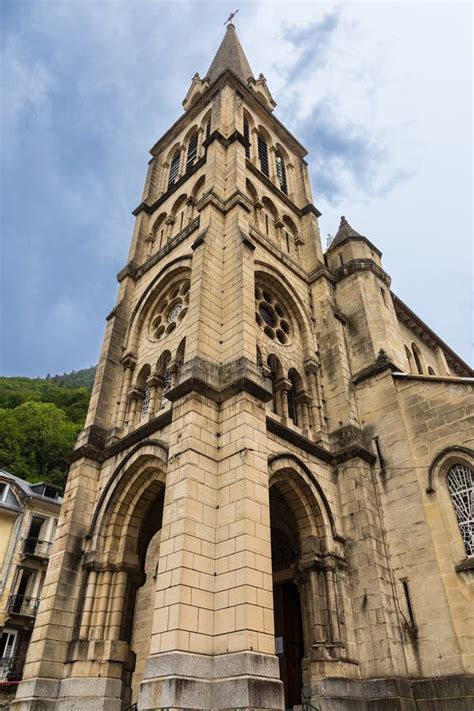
point(192, 152)
point(146, 401)
point(416, 356)
point(409, 358)
point(174, 170)
point(292, 413)
point(281, 173)
point(460, 482)
point(247, 137)
point(263, 155)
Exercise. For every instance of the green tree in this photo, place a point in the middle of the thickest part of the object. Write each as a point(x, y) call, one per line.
point(35, 438)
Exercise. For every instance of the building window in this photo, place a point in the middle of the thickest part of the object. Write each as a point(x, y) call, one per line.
point(146, 401)
point(281, 173)
point(271, 317)
point(192, 152)
point(417, 357)
point(460, 481)
point(172, 307)
point(174, 170)
point(247, 138)
point(3, 491)
point(263, 155)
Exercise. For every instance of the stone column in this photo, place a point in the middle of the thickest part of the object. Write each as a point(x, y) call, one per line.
point(279, 233)
point(190, 202)
point(303, 402)
point(169, 222)
point(258, 207)
point(88, 604)
point(103, 590)
point(149, 242)
point(283, 386)
point(311, 369)
point(128, 362)
point(334, 631)
point(134, 396)
point(117, 603)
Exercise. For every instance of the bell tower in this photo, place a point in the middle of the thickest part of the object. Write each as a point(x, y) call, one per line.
point(220, 522)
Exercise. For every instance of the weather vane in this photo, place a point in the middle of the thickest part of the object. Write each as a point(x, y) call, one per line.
point(231, 16)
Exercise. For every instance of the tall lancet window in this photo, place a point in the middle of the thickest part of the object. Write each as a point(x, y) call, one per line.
point(247, 137)
point(174, 170)
point(192, 152)
point(281, 173)
point(460, 482)
point(263, 154)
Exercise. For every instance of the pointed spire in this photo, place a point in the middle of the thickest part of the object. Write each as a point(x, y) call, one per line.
point(344, 231)
point(230, 55)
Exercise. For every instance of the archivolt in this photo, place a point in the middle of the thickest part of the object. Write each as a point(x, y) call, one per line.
point(145, 463)
point(313, 512)
point(173, 269)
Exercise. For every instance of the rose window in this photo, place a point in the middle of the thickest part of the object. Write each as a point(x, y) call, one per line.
point(171, 309)
point(271, 317)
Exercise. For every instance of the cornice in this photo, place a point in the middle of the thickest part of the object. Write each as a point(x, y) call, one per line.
point(361, 265)
point(97, 452)
point(307, 445)
point(355, 238)
point(415, 324)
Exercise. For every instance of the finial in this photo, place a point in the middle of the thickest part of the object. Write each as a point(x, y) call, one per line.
point(230, 18)
point(343, 220)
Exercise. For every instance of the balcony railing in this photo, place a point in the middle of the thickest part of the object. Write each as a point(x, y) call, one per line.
point(37, 548)
point(25, 606)
point(11, 668)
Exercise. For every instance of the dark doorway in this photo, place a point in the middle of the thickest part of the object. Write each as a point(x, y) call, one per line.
point(289, 644)
point(289, 640)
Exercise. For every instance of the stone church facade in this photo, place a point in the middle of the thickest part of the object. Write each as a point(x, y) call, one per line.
point(269, 504)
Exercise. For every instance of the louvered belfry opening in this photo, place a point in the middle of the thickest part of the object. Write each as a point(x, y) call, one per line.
point(192, 152)
point(174, 170)
point(263, 155)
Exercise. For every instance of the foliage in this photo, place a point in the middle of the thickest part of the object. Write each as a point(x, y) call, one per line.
point(35, 438)
point(39, 423)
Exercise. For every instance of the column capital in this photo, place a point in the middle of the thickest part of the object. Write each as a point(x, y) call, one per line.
point(311, 365)
point(129, 361)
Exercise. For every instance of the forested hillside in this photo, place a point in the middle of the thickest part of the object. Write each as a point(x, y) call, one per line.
point(40, 419)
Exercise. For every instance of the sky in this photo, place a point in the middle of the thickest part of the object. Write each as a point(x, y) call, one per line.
point(380, 93)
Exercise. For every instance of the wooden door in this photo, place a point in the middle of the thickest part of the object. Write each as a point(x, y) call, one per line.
point(289, 640)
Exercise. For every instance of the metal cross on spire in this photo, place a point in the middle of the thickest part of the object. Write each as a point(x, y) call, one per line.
point(231, 16)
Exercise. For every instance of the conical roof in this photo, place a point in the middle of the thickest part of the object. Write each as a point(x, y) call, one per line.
point(344, 231)
point(230, 55)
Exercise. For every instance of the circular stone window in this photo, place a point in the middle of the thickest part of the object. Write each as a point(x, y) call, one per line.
point(271, 317)
point(170, 311)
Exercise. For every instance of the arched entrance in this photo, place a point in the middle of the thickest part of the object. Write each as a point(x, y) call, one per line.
point(121, 565)
point(288, 614)
point(141, 598)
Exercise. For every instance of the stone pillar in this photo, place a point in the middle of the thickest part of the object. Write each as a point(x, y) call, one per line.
point(128, 362)
point(134, 397)
point(117, 604)
point(283, 386)
point(311, 369)
point(190, 203)
point(88, 604)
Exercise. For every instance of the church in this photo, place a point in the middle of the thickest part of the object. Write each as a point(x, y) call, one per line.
point(270, 505)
